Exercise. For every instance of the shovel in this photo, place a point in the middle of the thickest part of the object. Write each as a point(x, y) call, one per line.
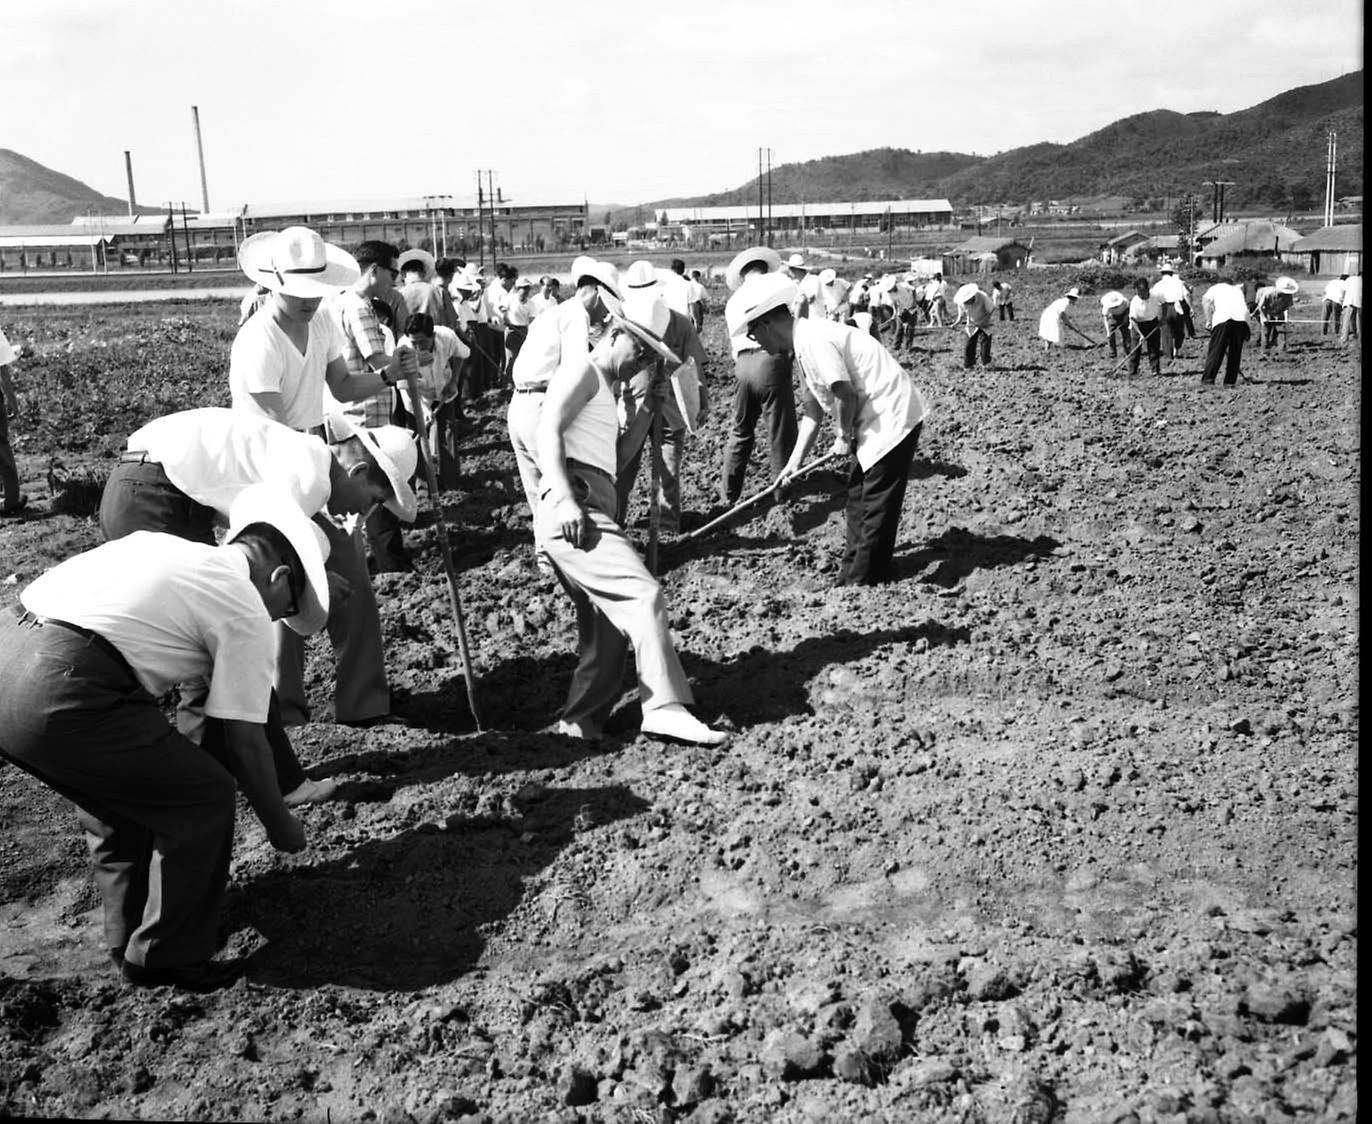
point(743, 505)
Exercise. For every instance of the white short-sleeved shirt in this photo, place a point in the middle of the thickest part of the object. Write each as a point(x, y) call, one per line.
point(212, 454)
point(980, 311)
point(1170, 288)
point(695, 292)
point(676, 291)
point(561, 331)
point(889, 403)
point(6, 352)
point(433, 377)
point(176, 611)
point(1050, 321)
point(1144, 309)
point(1334, 291)
point(263, 360)
point(1352, 291)
point(1225, 302)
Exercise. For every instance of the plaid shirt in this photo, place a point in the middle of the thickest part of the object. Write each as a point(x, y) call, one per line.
point(363, 335)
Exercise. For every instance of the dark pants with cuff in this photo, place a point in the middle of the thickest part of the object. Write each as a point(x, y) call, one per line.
point(978, 342)
point(762, 387)
point(1226, 343)
point(875, 498)
point(157, 810)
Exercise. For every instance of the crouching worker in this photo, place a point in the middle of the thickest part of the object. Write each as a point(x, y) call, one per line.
point(618, 602)
point(877, 410)
point(83, 659)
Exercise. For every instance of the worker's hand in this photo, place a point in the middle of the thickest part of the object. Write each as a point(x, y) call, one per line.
point(841, 447)
point(571, 519)
point(785, 478)
point(657, 393)
point(287, 835)
point(409, 362)
point(340, 589)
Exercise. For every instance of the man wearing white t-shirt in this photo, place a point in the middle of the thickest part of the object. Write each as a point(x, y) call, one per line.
point(1352, 308)
point(1333, 304)
point(876, 407)
point(84, 656)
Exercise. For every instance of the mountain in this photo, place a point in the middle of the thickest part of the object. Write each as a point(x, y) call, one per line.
point(31, 194)
point(1273, 152)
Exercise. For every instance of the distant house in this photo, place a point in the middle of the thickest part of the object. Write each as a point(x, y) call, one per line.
point(1245, 239)
point(1119, 247)
point(986, 252)
point(1331, 250)
point(53, 246)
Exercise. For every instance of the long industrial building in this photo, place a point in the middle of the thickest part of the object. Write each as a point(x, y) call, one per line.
point(870, 216)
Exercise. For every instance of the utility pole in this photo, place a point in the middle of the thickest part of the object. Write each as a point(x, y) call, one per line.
point(186, 230)
point(1332, 144)
point(759, 197)
point(200, 154)
point(171, 231)
point(769, 197)
point(480, 223)
point(491, 201)
point(128, 171)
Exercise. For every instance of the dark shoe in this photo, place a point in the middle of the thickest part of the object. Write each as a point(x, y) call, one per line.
point(375, 720)
point(208, 976)
point(16, 508)
point(117, 956)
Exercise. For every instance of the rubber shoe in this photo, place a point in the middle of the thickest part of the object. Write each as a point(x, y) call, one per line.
point(17, 508)
point(578, 731)
point(679, 724)
point(311, 792)
point(208, 976)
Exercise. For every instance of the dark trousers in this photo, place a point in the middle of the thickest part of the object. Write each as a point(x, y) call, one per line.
point(1150, 333)
point(1332, 311)
point(158, 811)
point(875, 498)
point(1174, 329)
point(1007, 311)
point(762, 387)
point(1187, 321)
point(978, 341)
point(1273, 331)
point(9, 471)
point(1117, 330)
point(1226, 343)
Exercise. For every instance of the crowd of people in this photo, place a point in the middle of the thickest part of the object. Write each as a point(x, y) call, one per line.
point(234, 534)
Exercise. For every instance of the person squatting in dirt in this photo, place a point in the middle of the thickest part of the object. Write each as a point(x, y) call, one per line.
point(282, 361)
point(619, 604)
point(877, 411)
point(84, 656)
point(649, 412)
point(181, 474)
point(559, 335)
point(1272, 303)
point(976, 308)
point(762, 382)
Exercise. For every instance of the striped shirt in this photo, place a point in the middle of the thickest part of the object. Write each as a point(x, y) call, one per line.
point(363, 336)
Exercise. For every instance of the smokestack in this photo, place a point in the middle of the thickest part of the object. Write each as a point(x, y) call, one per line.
point(128, 171)
point(200, 153)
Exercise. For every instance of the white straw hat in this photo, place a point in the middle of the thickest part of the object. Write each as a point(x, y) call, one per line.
point(1287, 285)
point(394, 450)
point(297, 262)
point(966, 293)
point(424, 258)
point(645, 314)
point(733, 272)
point(757, 296)
point(274, 506)
point(640, 275)
point(1113, 299)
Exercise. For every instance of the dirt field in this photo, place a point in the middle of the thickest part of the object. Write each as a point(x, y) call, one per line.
point(1061, 825)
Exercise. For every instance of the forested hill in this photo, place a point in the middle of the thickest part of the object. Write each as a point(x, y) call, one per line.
point(33, 194)
point(1273, 152)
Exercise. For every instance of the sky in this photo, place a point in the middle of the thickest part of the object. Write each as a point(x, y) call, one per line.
point(613, 101)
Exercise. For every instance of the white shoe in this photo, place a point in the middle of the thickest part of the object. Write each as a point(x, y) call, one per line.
point(680, 724)
point(578, 731)
point(311, 792)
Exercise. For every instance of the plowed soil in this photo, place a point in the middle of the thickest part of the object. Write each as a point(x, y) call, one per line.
point(1060, 825)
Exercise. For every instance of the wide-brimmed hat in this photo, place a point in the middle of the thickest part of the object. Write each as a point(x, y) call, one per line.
point(966, 293)
point(645, 314)
point(1073, 294)
point(393, 449)
point(297, 262)
point(523, 282)
point(424, 258)
point(827, 276)
point(1113, 299)
point(639, 275)
point(605, 274)
point(276, 507)
point(733, 272)
point(795, 261)
point(1165, 268)
point(1288, 285)
point(467, 281)
point(756, 297)
point(887, 283)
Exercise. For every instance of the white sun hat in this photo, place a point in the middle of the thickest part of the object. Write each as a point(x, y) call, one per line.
point(827, 276)
point(645, 314)
point(297, 262)
point(1113, 299)
point(424, 258)
point(602, 272)
point(276, 507)
point(1073, 293)
point(757, 296)
point(1287, 285)
point(640, 275)
point(393, 448)
point(733, 272)
point(795, 261)
point(966, 293)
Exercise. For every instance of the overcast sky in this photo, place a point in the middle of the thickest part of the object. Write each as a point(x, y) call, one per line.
point(617, 101)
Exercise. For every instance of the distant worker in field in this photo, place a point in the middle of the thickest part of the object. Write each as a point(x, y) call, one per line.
point(882, 305)
point(935, 296)
point(1352, 307)
point(1273, 304)
point(762, 386)
point(15, 501)
point(619, 604)
point(416, 288)
point(441, 356)
point(85, 655)
point(549, 294)
point(1172, 294)
point(807, 289)
point(833, 296)
point(280, 364)
point(877, 412)
point(905, 300)
point(1145, 316)
point(698, 299)
point(976, 308)
point(1333, 304)
point(1055, 318)
point(1114, 317)
point(519, 314)
point(647, 398)
point(1226, 315)
point(1003, 297)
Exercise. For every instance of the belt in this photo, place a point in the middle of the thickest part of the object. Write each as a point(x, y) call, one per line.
point(93, 638)
point(574, 465)
point(135, 456)
point(540, 389)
